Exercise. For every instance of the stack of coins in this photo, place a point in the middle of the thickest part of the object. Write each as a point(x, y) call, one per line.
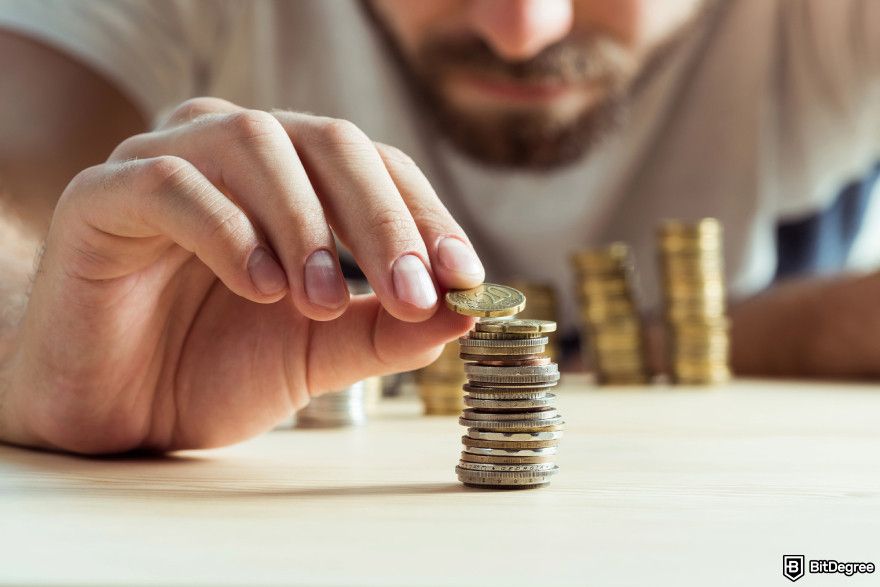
point(513, 428)
point(693, 284)
point(612, 329)
point(347, 407)
point(542, 306)
point(439, 383)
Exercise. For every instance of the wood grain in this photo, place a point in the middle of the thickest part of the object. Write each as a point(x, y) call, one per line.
point(659, 486)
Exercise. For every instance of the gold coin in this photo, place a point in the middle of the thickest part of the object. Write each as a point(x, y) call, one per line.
point(474, 334)
point(486, 301)
point(517, 326)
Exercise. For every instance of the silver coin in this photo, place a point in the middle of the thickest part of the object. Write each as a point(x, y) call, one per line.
point(506, 353)
point(507, 395)
point(512, 425)
point(511, 452)
point(515, 370)
point(465, 341)
point(477, 387)
point(467, 457)
point(514, 436)
point(508, 444)
point(547, 400)
point(504, 479)
point(506, 468)
point(512, 379)
point(546, 414)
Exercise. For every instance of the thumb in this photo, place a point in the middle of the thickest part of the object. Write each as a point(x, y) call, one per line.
point(367, 341)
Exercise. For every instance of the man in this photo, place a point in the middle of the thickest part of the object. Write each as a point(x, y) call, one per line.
point(189, 292)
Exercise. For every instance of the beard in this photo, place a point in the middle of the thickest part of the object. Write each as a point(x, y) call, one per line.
point(536, 138)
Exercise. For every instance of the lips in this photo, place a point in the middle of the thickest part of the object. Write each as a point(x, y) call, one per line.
point(516, 90)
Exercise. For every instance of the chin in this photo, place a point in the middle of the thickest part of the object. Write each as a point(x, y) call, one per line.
point(535, 139)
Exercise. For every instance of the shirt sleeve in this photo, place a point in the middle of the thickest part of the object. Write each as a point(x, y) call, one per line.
point(145, 48)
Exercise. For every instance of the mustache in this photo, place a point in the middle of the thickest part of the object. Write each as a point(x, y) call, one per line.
point(587, 57)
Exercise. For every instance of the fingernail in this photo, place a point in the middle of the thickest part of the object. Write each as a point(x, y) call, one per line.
point(323, 281)
point(412, 284)
point(457, 256)
point(265, 272)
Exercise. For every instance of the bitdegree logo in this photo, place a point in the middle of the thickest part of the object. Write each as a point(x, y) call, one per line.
point(794, 567)
point(832, 566)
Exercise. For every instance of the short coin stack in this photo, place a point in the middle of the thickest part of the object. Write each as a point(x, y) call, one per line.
point(513, 428)
point(612, 326)
point(439, 383)
point(693, 283)
point(346, 407)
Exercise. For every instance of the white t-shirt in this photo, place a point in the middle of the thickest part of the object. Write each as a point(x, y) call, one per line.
point(761, 115)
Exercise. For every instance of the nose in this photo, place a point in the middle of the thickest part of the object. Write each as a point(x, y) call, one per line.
point(519, 29)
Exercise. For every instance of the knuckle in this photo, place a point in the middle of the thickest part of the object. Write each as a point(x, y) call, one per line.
point(391, 225)
point(80, 186)
point(250, 126)
point(336, 132)
point(129, 147)
point(164, 173)
point(397, 157)
point(225, 225)
point(195, 107)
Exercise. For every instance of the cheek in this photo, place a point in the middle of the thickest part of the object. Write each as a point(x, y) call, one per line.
point(639, 24)
point(658, 19)
point(619, 18)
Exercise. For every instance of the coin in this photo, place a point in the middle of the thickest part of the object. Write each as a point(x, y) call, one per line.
point(533, 467)
point(467, 341)
point(468, 457)
point(517, 325)
point(545, 414)
point(507, 451)
point(507, 396)
point(480, 480)
point(476, 335)
point(502, 404)
point(504, 351)
point(479, 386)
point(514, 436)
point(475, 369)
point(506, 360)
point(532, 445)
point(513, 425)
point(486, 300)
point(513, 379)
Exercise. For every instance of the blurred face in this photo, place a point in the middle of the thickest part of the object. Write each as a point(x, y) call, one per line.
point(528, 83)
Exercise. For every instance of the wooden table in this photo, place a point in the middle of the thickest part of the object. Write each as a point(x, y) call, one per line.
point(659, 486)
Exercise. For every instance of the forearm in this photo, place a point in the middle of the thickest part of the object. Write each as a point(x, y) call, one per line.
point(810, 328)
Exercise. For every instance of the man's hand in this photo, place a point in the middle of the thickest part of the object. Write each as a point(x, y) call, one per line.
point(190, 293)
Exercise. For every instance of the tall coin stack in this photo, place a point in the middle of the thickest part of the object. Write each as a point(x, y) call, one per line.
point(692, 267)
point(513, 428)
point(612, 327)
point(439, 383)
